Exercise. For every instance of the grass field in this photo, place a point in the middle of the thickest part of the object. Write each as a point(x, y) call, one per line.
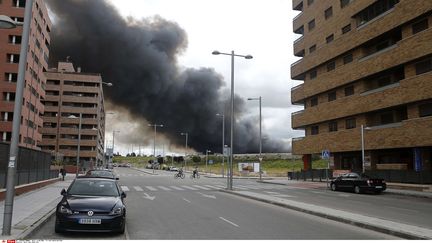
point(271, 167)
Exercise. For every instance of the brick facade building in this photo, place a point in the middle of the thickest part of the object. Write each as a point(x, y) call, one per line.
point(70, 93)
point(364, 63)
point(37, 62)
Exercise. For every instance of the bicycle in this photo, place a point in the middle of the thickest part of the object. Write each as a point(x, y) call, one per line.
point(179, 175)
point(197, 176)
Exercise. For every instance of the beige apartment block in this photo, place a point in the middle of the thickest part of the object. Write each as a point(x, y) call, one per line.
point(69, 95)
point(364, 63)
point(37, 62)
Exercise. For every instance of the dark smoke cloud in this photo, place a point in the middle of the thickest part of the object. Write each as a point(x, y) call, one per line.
point(139, 58)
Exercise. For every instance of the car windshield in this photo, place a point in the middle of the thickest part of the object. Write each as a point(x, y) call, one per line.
point(94, 188)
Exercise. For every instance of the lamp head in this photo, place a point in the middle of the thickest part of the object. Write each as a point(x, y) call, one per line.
point(7, 23)
point(109, 84)
point(215, 52)
point(249, 57)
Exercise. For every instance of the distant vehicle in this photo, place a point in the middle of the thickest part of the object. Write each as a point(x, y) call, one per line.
point(358, 183)
point(172, 168)
point(91, 204)
point(102, 173)
point(149, 166)
point(114, 165)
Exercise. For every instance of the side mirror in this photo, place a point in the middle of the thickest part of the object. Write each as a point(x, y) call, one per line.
point(123, 195)
point(63, 192)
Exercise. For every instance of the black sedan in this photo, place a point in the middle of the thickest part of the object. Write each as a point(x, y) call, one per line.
point(357, 183)
point(91, 204)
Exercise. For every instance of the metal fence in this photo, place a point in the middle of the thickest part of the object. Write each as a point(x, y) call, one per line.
point(399, 176)
point(32, 166)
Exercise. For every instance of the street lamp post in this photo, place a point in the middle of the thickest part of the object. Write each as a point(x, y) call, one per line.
point(186, 135)
point(223, 143)
point(113, 142)
point(232, 110)
point(207, 151)
point(79, 144)
point(154, 138)
point(362, 127)
point(5, 22)
point(260, 135)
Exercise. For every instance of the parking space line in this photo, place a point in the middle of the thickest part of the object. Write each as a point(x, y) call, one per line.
point(137, 188)
point(164, 188)
point(151, 188)
point(190, 188)
point(125, 188)
point(177, 188)
point(201, 187)
point(226, 220)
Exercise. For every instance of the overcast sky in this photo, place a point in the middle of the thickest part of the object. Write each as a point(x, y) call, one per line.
point(260, 28)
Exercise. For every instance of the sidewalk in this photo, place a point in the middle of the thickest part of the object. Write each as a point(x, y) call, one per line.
point(32, 209)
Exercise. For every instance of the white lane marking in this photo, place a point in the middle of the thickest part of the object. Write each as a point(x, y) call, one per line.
point(271, 192)
point(226, 220)
point(186, 200)
point(147, 196)
point(177, 188)
point(317, 192)
point(125, 188)
point(214, 187)
point(404, 209)
point(201, 187)
point(343, 195)
point(190, 188)
point(151, 188)
point(241, 187)
point(205, 195)
point(137, 188)
point(164, 188)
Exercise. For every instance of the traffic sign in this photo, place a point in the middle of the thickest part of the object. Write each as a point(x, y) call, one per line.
point(325, 154)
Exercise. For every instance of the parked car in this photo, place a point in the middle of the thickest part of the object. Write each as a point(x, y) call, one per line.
point(172, 168)
point(358, 183)
point(102, 173)
point(91, 204)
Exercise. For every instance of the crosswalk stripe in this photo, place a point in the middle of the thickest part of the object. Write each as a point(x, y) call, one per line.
point(214, 187)
point(201, 187)
point(125, 188)
point(151, 188)
point(137, 188)
point(164, 188)
point(190, 188)
point(177, 188)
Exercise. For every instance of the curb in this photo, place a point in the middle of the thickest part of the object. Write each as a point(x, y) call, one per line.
point(388, 191)
point(29, 232)
point(335, 218)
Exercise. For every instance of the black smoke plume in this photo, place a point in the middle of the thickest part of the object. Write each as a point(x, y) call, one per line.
point(139, 58)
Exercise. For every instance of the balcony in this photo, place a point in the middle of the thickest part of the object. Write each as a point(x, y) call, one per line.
point(297, 95)
point(403, 12)
point(408, 133)
point(79, 99)
point(418, 45)
point(409, 90)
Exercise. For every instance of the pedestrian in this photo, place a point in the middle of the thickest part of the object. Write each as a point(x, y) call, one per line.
point(63, 173)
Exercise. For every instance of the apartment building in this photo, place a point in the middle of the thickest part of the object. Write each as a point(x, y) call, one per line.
point(37, 62)
point(71, 94)
point(364, 63)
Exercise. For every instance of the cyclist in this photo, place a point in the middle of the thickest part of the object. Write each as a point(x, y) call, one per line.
point(180, 171)
point(195, 172)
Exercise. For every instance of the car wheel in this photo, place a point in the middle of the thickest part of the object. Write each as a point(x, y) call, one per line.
point(182, 176)
point(333, 187)
point(357, 189)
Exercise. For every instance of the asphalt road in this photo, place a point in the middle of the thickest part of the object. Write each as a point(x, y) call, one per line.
point(161, 207)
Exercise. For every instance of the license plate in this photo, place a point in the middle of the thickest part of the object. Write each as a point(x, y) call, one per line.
point(90, 221)
point(378, 187)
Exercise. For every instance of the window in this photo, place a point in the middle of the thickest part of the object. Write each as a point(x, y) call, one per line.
point(331, 96)
point(348, 58)
point(328, 13)
point(311, 25)
point(312, 48)
point(331, 66)
point(420, 26)
point(333, 126)
point(374, 10)
point(314, 130)
point(346, 29)
point(19, 3)
point(349, 90)
point(344, 3)
point(314, 101)
point(350, 123)
point(423, 66)
point(309, 2)
point(313, 74)
point(330, 38)
point(15, 39)
point(425, 110)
